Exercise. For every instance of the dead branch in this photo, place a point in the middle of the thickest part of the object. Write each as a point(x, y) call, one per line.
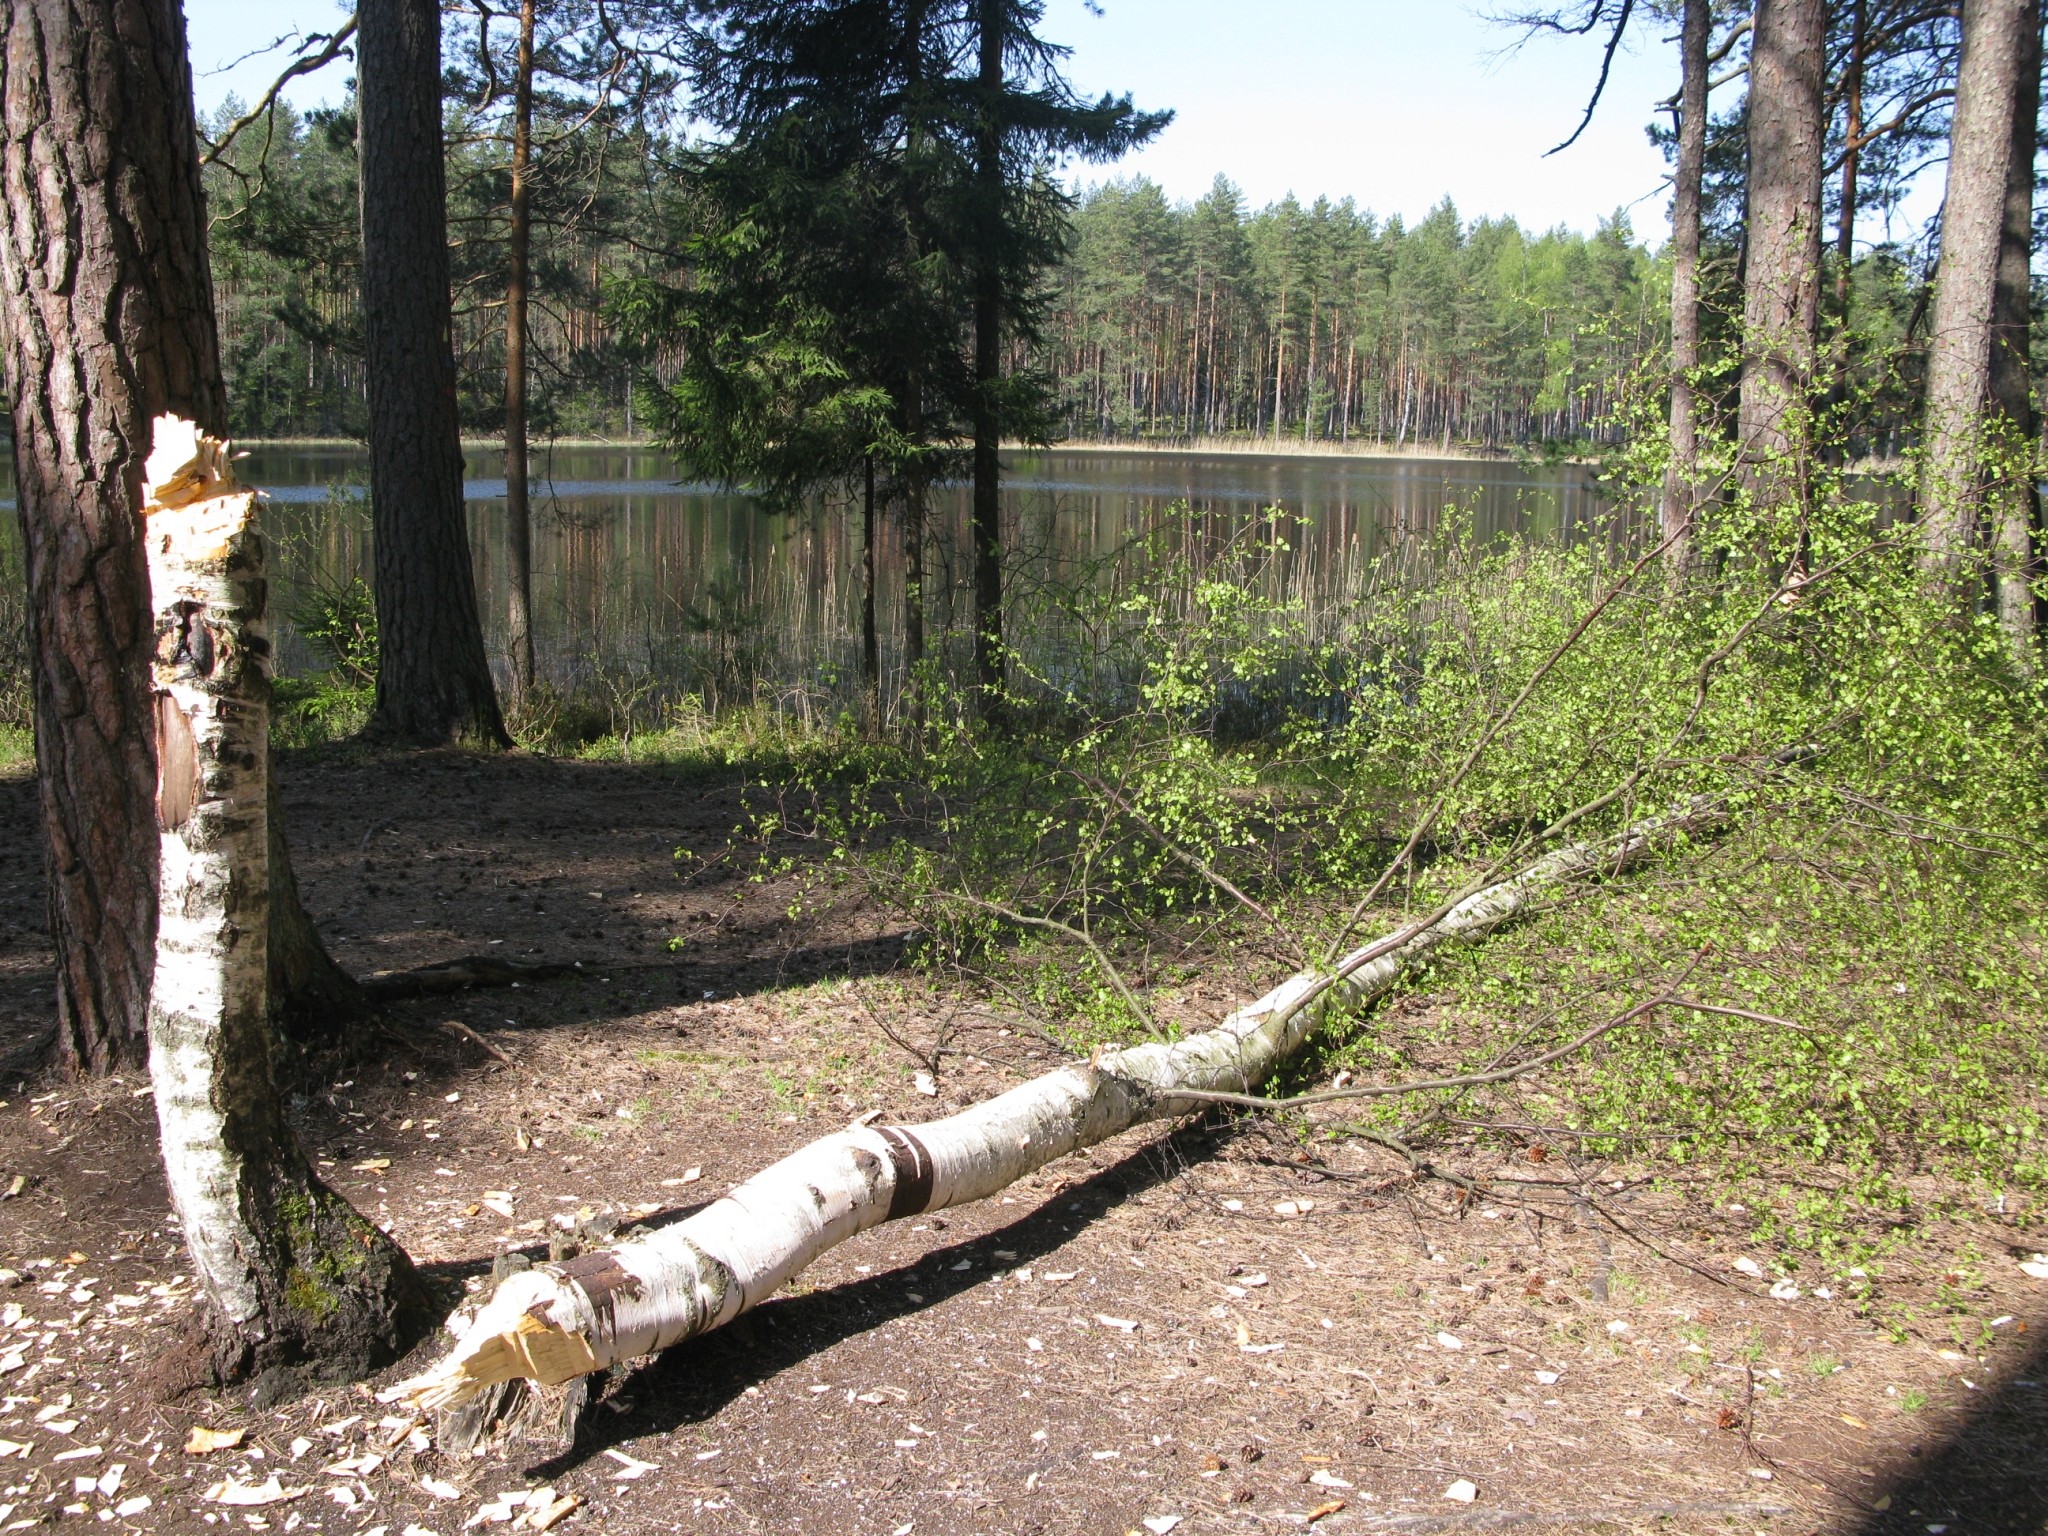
point(332, 46)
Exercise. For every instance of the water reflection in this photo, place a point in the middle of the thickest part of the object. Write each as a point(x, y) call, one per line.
point(636, 569)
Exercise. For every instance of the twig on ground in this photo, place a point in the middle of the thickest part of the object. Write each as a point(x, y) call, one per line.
point(462, 1029)
point(375, 828)
point(465, 974)
point(1601, 1209)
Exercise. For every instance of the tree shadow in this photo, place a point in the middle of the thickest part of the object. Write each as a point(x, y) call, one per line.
point(695, 1380)
point(1987, 1477)
point(797, 965)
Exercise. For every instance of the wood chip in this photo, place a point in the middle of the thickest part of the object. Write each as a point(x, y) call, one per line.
point(541, 1519)
point(630, 1467)
point(204, 1440)
point(233, 1491)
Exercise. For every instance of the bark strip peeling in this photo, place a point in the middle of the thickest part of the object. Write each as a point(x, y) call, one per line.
point(559, 1321)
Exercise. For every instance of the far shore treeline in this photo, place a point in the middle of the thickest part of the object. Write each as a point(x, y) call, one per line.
point(1300, 322)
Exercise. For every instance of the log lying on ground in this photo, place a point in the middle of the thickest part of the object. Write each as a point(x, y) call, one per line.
point(556, 1322)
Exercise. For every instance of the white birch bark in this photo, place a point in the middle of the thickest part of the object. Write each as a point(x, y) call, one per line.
point(210, 993)
point(559, 1321)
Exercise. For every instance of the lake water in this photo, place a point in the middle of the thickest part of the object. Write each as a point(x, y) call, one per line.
point(637, 571)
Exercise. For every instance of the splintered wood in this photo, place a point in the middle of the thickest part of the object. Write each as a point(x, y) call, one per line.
point(556, 1322)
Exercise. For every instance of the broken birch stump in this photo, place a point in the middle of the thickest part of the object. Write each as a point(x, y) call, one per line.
point(212, 746)
point(556, 1322)
point(293, 1271)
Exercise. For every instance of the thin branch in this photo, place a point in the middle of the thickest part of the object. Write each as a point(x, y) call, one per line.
point(1499, 723)
point(1600, 85)
point(1435, 1084)
point(335, 45)
point(1193, 861)
point(1895, 122)
point(1116, 977)
point(1736, 1013)
point(1727, 46)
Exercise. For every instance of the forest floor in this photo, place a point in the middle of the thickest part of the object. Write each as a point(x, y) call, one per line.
point(1207, 1328)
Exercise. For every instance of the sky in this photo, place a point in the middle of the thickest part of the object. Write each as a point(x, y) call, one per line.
point(1394, 103)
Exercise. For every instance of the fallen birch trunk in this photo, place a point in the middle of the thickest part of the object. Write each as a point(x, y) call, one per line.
point(557, 1322)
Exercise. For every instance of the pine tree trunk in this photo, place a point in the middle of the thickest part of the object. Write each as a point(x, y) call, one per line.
point(870, 640)
point(557, 1322)
point(988, 317)
point(1279, 360)
point(1852, 163)
point(108, 319)
point(2015, 498)
point(296, 1276)
point(1781, 290)
point(433, 682)
point(519, 244)
point(1966, 284)
point(1678, 509)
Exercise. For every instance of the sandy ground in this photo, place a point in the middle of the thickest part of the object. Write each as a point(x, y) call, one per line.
point(1207, 1328)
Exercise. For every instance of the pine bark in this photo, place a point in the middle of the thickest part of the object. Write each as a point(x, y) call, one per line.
point(434, 683)
point(988, 320)
point(1678, 508)
point(2015, 497)
point(557, 1322)
point(1781, 290)
point(518, 261)
point(870, 640)
point(295, 1275)
point(1966, 283)
point(1852, 164)
point(108, 320)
